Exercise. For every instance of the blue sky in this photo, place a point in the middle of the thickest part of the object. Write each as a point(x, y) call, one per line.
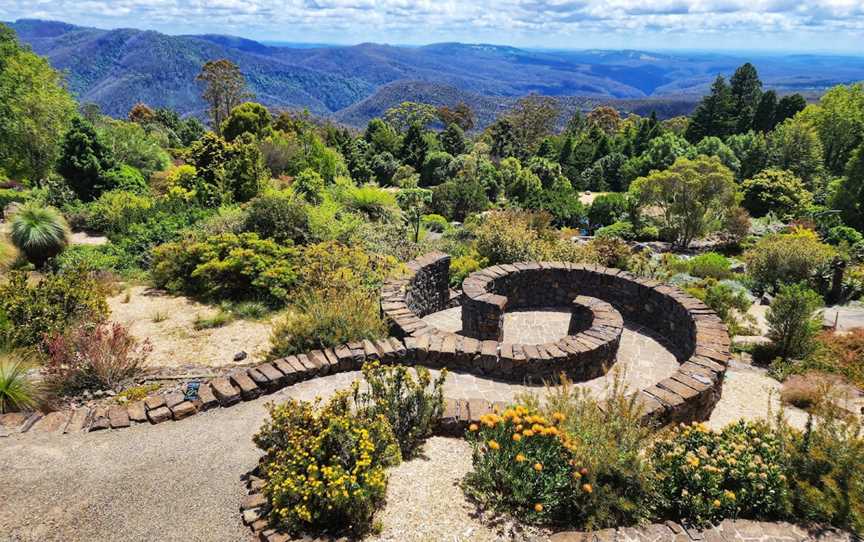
point(789, 25)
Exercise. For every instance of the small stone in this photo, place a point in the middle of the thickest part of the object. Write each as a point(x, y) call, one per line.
point(183, 410)
point(137, 412)
point(118, 417)
point(98, 393)
point(154, 401)
point(79, 420)
point(174, 398)
point(248, 389)
point(251, 515)
point(100, 419)
point(255, 500)
point(240, 356)
point(159, 415)
point(206, 398)
point(110, 393)
point(260, 525)
point(224, 391)
point(52, 422)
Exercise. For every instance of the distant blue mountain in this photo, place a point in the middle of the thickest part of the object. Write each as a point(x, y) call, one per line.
point(118, 68)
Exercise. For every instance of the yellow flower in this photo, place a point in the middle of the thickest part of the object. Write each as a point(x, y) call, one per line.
point(528, 433)
point(729, 495)
point(717, 503)
point(538, 466)
point(520, 458)
point(538, 507)
point(558, 417)
point(517, 437)
point(473, 427)
point(494, 445)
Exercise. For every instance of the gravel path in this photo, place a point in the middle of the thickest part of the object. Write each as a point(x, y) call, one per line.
point(181, 481)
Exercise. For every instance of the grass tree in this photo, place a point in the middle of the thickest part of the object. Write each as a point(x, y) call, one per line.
point(40, 233)
point(17, 391)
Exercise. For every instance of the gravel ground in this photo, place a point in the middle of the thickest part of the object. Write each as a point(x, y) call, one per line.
point(167, 321)
point(182, 481)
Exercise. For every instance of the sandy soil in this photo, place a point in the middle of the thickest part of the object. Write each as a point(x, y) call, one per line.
point(168, 322)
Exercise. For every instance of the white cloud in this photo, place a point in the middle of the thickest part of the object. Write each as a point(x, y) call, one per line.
point(524, 21)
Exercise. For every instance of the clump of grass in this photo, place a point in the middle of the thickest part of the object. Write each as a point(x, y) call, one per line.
point(17, 390)
point(246, 310)
point(159, 316)
point(809, 390)
point(221, 318)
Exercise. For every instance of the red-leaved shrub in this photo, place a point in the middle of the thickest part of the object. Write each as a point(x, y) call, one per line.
point(100, 356)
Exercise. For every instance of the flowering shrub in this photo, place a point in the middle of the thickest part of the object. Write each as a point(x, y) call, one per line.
point(325, 467)
point(410, 405)
point(95, 357)
point(523, 464)
point(705, 476)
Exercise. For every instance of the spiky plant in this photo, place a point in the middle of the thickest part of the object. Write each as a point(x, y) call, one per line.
point(40, 233)
point(17, 391)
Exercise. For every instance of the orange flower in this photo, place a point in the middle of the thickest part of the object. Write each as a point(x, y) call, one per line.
point(538, 507)
point(538, 466)
point(587, 488)
point(520, 458)
point(494, 445)
point(558, 417)
point(528, 433)
point(473, 427)
point(517, 437)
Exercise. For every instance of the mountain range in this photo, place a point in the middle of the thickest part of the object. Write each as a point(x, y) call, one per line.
point(351, 84)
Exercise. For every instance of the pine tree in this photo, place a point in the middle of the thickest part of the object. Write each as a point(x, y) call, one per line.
point(84, 160)
point(453, 140)
point(746, 91)
point(414, 147)
point(763, 120)
point(715, 115)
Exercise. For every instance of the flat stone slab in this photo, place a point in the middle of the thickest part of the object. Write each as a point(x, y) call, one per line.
point(224, 391)
point(52, 422)
point(159, 415)
point(137, 412)
point(183, 410)
point(80, 417)
point(118, 417)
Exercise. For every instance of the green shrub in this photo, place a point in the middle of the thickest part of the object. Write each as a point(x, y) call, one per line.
point(50, 305)
point(710, 265)
point(98, 258)
point(777, 191)
point(335, 266)
point(227, 266)
point(324, 468)
point(606, 209)
point(611, 252)
point(8, 255)
point(125, 178)
point(100, 356)
point(411, 406)
point(705, 476)
point(326, 318)
point(728, 302)
point(331, 222)
point(462, 266)
point(164, 225)
point(40, 233)
point(370, 201)
point(844, 234)
point(826, 471)
point(435, 223)
point(113, 212)
point(791, 321)
point(619, 230)
point(786, 258)
point(17, 390)
point(456, 199)
point(278, 216)
point(309, 186)
point(523, 465)
point(13, 195)
point(519, 236)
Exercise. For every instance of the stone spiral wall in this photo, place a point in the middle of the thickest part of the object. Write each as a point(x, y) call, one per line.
point(697, 333)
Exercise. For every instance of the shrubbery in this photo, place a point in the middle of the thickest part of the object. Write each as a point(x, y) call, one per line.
point(705, 476)
point(411, 406)
point(50, 305)
point(786, 258)
point(113, 212)
point(278, 216)
point(227, 266)
point(100, 356)
point(325, 318)
point(325, 468)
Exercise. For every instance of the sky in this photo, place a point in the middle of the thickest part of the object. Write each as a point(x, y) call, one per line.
point(775, 25)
